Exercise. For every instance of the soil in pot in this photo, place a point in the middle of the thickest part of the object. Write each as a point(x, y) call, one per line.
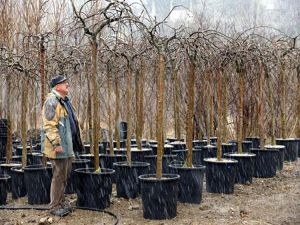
point(220, 175)
point(159, 196)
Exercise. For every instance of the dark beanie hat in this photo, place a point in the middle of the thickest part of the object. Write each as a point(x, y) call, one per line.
point(57, 80)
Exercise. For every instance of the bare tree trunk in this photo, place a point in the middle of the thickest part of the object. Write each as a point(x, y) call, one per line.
point(224, 107)
point(176, 106)
point(272, 111)
point(141, 105)
point(117, 114)
point(128, 115)
point(95, 104)
point(190, 112)
point(240, 111)
point(109, 85)
point(9, 121)
point(160, 115)
point(24, 106)
point(208, 116)
point(298, 103)
point(261, 108)
point(283, 101)
point(42, 70)
point(89, 114)
point(219, 140)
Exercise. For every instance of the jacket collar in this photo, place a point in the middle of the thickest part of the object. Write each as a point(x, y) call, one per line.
point(58, 96)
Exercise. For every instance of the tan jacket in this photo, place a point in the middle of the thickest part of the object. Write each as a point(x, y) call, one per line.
point(56, 129)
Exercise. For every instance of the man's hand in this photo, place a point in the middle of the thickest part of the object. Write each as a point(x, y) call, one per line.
point(58, 149)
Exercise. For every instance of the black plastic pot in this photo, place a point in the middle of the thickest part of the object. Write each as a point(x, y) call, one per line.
point(246, 145)
point(38, 182)
point(190, 182)
point(213, 140)
point(197, 156)
point(220, 175)
point(93, 189)
point(6, 169)
point(280, 155)
point(265, 162)
point(4, 180)
point(208, 151)
point(107, 161)
point(103, 146)
point(255, 141)
point(166, 161)
point(181, 154)
point(71, 182)
point(159, 196)
point(228, 148)
point(291, 148)
point(19, 149)
point(152, 142)
point(127, 182)
point(90, 157)
point(178, 145)
point(199, 143)
point(3, 143)
point(139, 154)
point(245, 167)
point(34, 158)
point(18, 187)
point(167, 149)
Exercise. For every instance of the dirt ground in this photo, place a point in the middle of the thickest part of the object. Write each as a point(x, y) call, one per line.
point(266, 201)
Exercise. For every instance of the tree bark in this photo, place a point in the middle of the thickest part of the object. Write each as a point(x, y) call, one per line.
point(128, 111)
point(160, 115)
point(219, 140)
point(190, 112)
point(283, 101)
point(95, 105)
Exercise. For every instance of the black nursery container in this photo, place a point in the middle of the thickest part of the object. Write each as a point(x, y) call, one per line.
point(220, 175)
point(167, 149)
point(265, 162)
point(166, 161)
point(199, 143)
point(127, 181)
point(107, 161)
point(38, 181)
point(159, 196)
point(71, 182)
point(228, 148)
point(208, 151)
point(6, 169)
point(280, 155)
point(291, 148)
point(245, 167)
point(255, 141)
point(246, 145)
point(190, 182)
point(4, 180)
point(93, 189)
point(18, 187)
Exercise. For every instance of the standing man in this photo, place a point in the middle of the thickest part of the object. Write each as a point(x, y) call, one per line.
point(60, 139)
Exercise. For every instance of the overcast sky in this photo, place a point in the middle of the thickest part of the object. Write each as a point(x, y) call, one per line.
point(240, 14)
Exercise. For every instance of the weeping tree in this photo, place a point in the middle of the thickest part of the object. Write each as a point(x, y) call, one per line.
point(93, 23)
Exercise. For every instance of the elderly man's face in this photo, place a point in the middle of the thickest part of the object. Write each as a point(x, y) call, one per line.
point(63, 87)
